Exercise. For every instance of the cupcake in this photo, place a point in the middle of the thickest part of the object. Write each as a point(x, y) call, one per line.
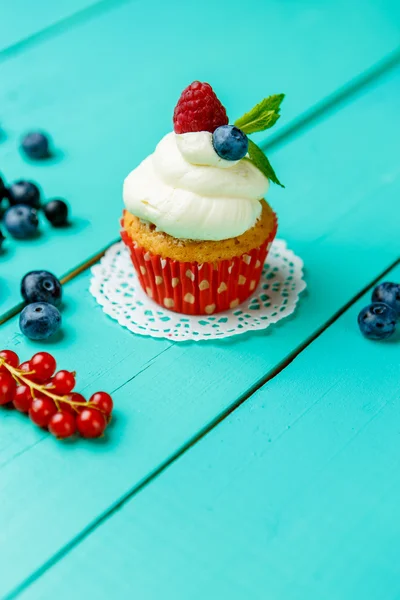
point(196, 221)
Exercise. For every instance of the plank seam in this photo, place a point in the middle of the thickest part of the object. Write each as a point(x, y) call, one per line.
point(45, 434)
point(142, 370)
point(27, 449)
point(59, 27)
point(344, 95)
point(192, 442)
point(64, 279)
point(340, 98)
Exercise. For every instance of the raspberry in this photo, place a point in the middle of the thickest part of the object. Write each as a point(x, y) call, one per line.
point(199, 109)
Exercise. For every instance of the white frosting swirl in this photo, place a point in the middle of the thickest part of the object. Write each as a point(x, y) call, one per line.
point(186, 190)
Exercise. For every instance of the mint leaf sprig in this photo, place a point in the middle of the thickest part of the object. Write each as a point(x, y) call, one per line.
point(261, 117)
point(259, 160)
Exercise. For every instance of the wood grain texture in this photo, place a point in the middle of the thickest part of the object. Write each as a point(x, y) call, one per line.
point(340, 213)
point(106, 89)
point(293, 497)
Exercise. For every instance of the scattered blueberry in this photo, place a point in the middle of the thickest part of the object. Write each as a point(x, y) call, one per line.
point(24, 192)
point(3, 190)
point(41, 286)
point(40, 320)
point(36, 145)
point(21, 221)
point(389, 293)
point(56, 211)
point(230, 142)
point(377, 321)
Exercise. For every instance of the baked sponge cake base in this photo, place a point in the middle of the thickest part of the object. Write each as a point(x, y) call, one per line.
point(199, 277)
point(167, 246)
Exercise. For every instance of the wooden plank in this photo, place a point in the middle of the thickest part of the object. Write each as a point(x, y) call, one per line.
point(100, 90)
point(293, 497)
point(22, 19)
point(166, 394)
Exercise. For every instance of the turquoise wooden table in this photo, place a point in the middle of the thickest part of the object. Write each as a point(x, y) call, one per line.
point(264, 466)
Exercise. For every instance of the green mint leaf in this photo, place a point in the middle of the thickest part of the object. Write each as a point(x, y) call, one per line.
point(259, 160)
point(263, 116)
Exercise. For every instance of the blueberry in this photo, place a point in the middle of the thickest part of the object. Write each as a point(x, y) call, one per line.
point(40, 320)
point(377, 321)
point(56, 211)
point(24, 192)
point(389, 293)
point(3, 190)
point(36, 145)
point(230, 142)
point(21, 221)
point(41, 286)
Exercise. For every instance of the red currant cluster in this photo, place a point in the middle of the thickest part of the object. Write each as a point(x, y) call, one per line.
point(33, 387)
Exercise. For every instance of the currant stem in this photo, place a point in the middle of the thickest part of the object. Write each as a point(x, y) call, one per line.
point(17, 374)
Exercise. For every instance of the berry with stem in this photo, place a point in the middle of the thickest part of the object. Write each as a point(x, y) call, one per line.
point(10, 357)
point(25, 368)
point(38, 398)
point(22, 398)
point(103, 402)
point(62, 424)
point(62, 383)
point(74, 403)
point(91, 423)
point(7, 388)
point(43, 366)
point(41, 411)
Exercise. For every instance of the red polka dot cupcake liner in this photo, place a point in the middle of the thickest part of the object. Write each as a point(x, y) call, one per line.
point(195, 288)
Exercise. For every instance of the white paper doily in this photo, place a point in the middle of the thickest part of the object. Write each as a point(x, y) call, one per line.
point(116, 288)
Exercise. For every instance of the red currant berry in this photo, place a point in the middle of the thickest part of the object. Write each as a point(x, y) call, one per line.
point(25, 367)
point(103, 402)
point(91, 423)
point(47, 385)
point(43, 365)
point(63, 383)
point(41, 411)
point(22, 398)
point(65, 407)
point(74, 409)
point(7, 388)
point(74, 397)
point(11, 358)
point(62, 424)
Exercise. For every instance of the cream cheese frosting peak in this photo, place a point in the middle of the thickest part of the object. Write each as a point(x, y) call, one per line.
point(187, 191)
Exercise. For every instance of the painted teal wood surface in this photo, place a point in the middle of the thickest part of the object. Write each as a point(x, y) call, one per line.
point(293, 497)
point(164, 393)
point(22, 20)
point(106, 90)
